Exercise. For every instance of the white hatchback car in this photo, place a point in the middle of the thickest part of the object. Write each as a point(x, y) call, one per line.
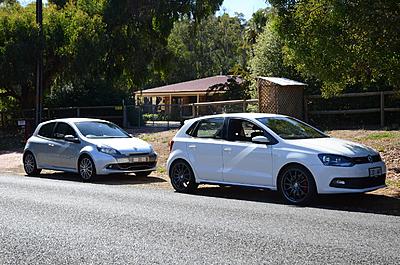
point(89, 147)
point(270, 151)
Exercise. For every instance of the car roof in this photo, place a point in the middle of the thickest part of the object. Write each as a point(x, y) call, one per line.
point(73, 120)
point(242, 115)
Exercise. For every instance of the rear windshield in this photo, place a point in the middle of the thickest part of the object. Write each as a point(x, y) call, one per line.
point(97, 129)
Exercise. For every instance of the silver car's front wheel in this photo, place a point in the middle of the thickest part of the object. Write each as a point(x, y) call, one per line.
point(87, 170)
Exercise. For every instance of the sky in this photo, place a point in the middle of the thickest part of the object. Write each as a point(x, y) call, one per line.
point(247, 7)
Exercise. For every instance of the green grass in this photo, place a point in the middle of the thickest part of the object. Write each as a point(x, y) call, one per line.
point(161, 170)
point(393, 183)
point(382, 135)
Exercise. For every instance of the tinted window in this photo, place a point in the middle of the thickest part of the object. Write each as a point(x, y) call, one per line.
point(210, 128)
point(46, 130)
point(288, 128)
point(63, 129)
point(192, 129)
point(242, 130)
point(96, 129)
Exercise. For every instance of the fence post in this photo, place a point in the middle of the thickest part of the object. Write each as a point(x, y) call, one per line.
point(78, 112)
point(305, 109)
point(382, 109)
point(124, 115)
point(244, 105)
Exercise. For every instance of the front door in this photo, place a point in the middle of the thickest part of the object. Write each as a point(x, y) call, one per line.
point(65, 153)
point(246, 163)
point(205, 149)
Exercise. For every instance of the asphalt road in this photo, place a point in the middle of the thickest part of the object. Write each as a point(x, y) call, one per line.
point(53, 221)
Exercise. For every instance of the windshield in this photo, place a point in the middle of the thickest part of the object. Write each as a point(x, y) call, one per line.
point(98, 129)
point(288, 128)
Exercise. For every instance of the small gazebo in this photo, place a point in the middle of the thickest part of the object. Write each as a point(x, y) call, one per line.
point(281, 96)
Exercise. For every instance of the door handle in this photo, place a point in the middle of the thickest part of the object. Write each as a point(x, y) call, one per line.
point(52, 145)
point(192, 146)
point(227, 149)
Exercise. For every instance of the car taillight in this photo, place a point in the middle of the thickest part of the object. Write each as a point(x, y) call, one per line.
point(170, 144)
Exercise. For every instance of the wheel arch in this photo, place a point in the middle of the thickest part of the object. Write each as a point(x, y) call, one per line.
point(290, 164)
point(184, 160)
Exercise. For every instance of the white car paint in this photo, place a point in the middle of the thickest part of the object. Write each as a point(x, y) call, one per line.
point(221, 161)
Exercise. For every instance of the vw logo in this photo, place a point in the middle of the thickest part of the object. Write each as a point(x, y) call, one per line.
point(369, 157)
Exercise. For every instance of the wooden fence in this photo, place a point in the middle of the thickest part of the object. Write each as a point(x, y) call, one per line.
point(381, 109)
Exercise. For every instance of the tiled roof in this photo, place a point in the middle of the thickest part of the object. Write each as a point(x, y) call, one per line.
point(198, 85)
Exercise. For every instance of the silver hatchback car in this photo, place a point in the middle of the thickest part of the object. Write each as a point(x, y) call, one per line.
point(89, 147)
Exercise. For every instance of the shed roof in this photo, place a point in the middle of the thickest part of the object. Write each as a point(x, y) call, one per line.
point(194, 86)
point(282, 81)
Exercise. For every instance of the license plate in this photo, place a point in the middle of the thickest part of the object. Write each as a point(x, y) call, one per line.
point(139, 159)
point(375, 171)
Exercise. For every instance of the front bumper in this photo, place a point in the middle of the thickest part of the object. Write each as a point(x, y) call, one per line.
point(353, 179)
point(108, 164)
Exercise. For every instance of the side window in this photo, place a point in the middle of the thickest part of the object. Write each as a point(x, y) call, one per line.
point(210, 128)
point(242, 130)
point(47, 130)
point(63, 129)
point(192, 129)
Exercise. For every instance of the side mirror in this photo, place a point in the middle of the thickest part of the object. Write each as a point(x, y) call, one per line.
point(260, 140)
point(71, 138)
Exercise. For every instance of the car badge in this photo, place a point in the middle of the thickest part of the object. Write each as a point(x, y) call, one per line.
point(370, 158)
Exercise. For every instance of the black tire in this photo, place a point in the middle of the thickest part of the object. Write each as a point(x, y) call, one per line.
point(182, 177)
point(296, 185)
point(30, 165)
point(86, 168)
point(143, 174)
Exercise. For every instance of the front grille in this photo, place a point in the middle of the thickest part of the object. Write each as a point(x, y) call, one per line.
point(358, 183)
point(365, 160)
point(133, 166)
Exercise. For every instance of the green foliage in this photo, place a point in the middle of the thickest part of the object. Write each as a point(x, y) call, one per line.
point(342, 43)
point(95, 52)
point(210, 48)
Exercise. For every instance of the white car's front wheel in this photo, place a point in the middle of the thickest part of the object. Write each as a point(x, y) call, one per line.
point(296, 185)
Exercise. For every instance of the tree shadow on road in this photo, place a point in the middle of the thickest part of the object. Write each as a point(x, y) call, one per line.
point(114, 179)
point(366, 203)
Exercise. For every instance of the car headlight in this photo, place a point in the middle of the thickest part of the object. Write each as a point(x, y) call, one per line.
point(107, 150)
point(335, 160)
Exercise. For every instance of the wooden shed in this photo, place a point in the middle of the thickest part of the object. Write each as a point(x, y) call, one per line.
point(281, 96)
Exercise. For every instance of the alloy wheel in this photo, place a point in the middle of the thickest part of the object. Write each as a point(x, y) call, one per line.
point(29, 163)
point(295, 185)
point(86, 168)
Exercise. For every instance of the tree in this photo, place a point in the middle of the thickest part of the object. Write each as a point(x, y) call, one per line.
point(209, 48)
point(342, 43)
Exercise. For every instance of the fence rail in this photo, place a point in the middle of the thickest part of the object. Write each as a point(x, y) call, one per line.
point(382, 109)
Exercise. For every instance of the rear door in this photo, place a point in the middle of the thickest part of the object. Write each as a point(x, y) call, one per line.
point(245, 162)
point(205, 149)
point(43, 145)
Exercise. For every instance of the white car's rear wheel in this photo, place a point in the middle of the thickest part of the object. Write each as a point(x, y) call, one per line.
point(182, 177)
point(297, 185)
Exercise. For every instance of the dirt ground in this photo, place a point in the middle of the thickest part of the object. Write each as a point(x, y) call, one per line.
point(386, 142)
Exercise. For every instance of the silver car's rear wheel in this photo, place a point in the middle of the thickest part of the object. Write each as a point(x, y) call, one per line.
point(30, 166)
point(87, 170)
